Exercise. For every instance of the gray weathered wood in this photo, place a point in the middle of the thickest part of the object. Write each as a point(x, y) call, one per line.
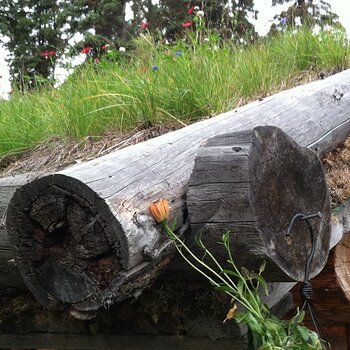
point(251, 183)
point(115, 191)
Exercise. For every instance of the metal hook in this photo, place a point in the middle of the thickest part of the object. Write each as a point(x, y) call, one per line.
point(306, 218)
point(306, 288)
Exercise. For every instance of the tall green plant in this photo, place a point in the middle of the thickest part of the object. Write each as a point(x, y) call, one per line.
point(266, 332)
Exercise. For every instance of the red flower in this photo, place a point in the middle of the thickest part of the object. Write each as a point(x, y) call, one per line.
point(104, 47)
point(190, 10)
point(86, 50)
point(186, 24)
point(144, 25)
point(48, 53)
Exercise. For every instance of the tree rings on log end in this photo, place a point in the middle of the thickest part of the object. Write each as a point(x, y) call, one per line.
point(68, 246)
point(252, 183)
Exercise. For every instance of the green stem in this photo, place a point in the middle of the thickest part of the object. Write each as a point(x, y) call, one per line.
point(257, 304)
point(173, 236)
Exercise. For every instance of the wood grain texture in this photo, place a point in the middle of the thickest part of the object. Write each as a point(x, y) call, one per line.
point(116, 189)
point(260, 180)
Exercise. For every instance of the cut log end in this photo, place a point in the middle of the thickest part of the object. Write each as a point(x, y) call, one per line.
point(252, 183)
point(63, 240)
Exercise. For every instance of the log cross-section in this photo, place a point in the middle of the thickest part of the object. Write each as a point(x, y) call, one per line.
point(252, 183)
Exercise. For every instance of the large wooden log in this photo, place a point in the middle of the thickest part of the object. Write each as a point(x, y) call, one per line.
point(251, 183)
point(104, 202)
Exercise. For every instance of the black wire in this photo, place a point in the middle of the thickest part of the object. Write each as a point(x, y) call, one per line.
point(306, 287)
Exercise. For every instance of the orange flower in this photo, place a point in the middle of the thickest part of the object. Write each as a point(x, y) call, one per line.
point(230, 313)
point(160, 210)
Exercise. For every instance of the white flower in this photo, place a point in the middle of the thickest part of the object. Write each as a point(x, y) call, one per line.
point(297, 21)
point(206, 39)
point(122, 49)
point(196, 8)
point(200, 13)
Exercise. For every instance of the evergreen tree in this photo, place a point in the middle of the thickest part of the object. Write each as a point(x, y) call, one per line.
point(36, 33)
point(105, 17)
point(308, 13)
point(170, 17)
point(31, 31)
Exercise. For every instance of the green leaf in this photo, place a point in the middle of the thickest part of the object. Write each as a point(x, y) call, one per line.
point(253, 324)
point(266, 346)
point(230, 272)
point(304, 333)
point(173, 225)
point(245, 272)
point(262, 283)
point(262, 267)
point(240, 287)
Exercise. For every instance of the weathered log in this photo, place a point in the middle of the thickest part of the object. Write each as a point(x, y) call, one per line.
point(109, 196)
point(252, 183)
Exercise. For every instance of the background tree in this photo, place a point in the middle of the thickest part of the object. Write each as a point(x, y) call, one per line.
point(105, 18)
point(308, 13)
point(170, 17)
point(32, 32)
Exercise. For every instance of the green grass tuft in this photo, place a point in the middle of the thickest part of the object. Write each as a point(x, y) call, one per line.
point(204, 80)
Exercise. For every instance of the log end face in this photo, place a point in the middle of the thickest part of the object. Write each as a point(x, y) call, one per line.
point(288, 179)
point(59, 229)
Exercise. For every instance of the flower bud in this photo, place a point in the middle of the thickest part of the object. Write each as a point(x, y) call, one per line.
point(160, 210)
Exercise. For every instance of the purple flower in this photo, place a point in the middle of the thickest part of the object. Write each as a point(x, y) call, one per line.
point(283, 20)
point(154, 67)
point(178, 53)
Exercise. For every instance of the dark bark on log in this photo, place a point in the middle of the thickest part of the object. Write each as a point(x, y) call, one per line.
point(252, 183)
point(10, 279)
point(109, 196)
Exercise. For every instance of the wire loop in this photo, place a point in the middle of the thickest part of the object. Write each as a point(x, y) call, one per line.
point(306, 287)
